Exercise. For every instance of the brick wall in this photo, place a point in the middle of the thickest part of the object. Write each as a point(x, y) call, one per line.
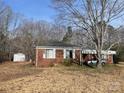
point(59, 57)
point(77, 55)
point(46, 62)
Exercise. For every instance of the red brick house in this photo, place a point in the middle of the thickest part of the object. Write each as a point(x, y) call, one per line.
point(56, 52)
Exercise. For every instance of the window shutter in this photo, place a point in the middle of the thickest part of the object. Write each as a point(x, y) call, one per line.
point(54, 53)
point(73, 53)
point(64, 53)
point(44, 55)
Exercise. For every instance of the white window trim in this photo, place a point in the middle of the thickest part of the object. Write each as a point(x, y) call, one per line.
point(64, 54)
point(54, 53)
point(73, 53)
point(44, 56)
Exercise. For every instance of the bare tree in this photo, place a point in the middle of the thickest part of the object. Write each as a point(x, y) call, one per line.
point(121, 32)
point(5, 18)
point(93, 17)
point(5, 22)
point(68, 35)
point(30, 34)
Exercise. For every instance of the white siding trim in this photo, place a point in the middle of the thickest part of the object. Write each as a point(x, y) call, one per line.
point(64, 53)
point(54, 53)
point(73, 53)
point(44, 56)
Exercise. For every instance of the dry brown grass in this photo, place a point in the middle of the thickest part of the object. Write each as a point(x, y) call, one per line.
point(24, 78)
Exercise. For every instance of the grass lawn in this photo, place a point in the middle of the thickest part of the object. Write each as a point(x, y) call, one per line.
point(25, 78)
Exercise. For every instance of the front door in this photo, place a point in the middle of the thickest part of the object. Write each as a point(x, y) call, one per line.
point(69, 54)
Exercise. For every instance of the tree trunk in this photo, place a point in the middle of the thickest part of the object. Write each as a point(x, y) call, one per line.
point(99, 57)
point(99, 65)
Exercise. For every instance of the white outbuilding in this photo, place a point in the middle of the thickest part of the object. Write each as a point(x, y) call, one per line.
point(19, 57)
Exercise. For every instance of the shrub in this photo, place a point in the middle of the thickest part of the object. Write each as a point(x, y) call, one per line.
point(67, 62)
point(51, 65)
point(120, 54)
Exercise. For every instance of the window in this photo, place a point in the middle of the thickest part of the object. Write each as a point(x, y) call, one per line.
point(49, 53)
point(69, 53)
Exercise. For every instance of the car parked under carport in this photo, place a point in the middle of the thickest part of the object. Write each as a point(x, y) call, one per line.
point(89, 57)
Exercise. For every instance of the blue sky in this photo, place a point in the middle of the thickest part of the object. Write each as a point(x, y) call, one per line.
point(35, 9)
point(41, 10)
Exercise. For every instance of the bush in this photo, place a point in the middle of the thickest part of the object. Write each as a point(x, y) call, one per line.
point(67, 62)
point(121, 54)
point(51, 65)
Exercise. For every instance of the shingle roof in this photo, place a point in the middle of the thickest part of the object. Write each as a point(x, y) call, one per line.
point(57, 44)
